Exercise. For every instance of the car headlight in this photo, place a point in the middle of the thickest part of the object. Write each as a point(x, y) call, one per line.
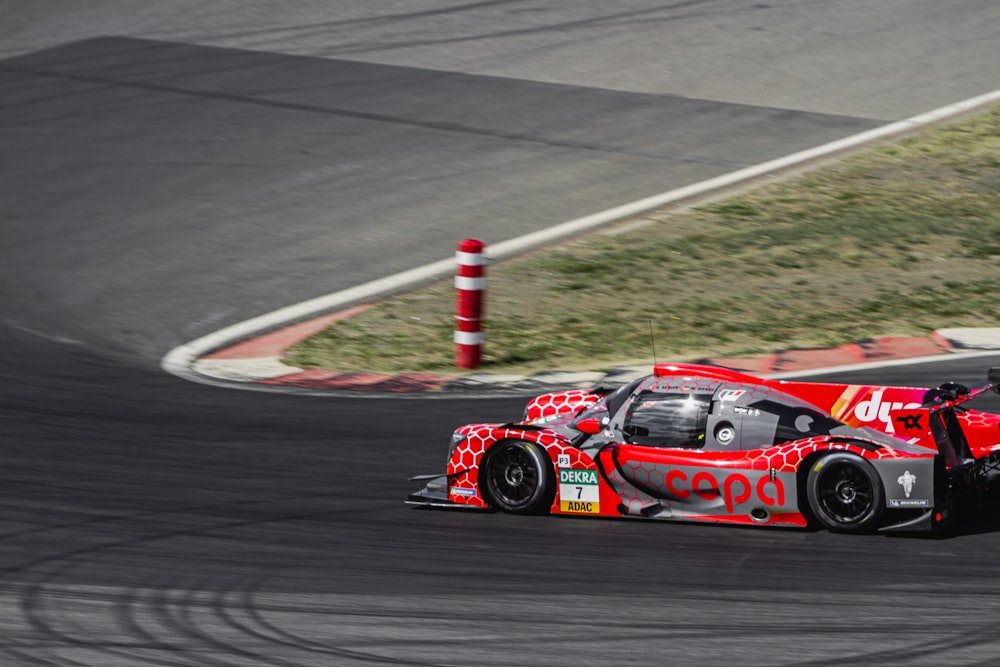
point(456, 440)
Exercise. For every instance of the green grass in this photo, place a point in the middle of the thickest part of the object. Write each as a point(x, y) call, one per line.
point(898, 240)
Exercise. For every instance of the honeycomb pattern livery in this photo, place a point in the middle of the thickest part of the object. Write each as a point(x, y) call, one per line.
point(982, 430)
point(786, 458)
point(783, 458)
point(723, 491)
point(465, 460)
point(721, 487)
point(563, 402)
point(631, 500)
point(977, 420)
point(718, 503)
point(467, 480)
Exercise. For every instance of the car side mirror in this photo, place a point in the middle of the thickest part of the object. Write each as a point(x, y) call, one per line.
point(590, 426)
point(993, 377)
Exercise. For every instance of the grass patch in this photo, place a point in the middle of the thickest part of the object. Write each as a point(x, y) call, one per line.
point(897, 240)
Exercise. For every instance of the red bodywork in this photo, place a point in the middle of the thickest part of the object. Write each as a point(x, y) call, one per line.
point(759, 485)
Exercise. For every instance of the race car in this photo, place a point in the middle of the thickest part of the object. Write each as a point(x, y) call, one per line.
point(709, 444)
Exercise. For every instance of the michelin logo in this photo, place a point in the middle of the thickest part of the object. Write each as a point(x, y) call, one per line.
point(907, 480)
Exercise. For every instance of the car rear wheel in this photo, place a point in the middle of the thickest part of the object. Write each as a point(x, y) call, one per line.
point(845, 493)
point(517, 477)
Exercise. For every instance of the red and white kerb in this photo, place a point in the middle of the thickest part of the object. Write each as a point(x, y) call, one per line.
point(470, 292)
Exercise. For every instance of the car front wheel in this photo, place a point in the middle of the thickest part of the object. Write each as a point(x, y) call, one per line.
point(516, 477)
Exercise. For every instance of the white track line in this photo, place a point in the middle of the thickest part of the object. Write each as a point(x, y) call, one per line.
point(866, 365)
point(178, 361)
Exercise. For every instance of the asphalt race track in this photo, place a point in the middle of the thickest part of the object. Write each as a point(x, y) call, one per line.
point(146, 521)
point(157, 183)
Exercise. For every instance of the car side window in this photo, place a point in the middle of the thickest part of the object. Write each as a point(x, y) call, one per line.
point(667, 420)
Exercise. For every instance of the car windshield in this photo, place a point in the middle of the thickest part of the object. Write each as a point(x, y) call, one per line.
point(610, 404)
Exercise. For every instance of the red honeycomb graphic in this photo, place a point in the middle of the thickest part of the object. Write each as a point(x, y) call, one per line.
point(786, 458)
point(632, 499)
point(783, 458)
point(463, 467)
point(558, 403)
point(636, 502)
point(982, 430)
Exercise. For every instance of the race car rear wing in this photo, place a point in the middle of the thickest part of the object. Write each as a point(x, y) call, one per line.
point(951, 394)
point(936, 424)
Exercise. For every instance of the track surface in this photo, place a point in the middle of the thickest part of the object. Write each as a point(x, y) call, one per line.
point(156, 191)
point(146, 521)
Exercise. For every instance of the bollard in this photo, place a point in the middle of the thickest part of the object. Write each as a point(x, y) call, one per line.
point(470, 291)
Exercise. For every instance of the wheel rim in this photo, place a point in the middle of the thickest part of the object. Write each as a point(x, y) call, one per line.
point(513, 476)
point(846, 493)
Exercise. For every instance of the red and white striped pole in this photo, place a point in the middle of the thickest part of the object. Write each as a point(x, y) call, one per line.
point(470, 292)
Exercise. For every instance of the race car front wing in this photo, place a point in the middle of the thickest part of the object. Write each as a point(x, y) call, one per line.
point(434, 493)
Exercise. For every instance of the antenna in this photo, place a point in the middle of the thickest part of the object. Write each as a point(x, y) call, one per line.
point(652, 341)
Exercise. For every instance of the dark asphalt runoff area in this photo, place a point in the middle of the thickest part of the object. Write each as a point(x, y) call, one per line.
point(194, 187)
point(154, 189)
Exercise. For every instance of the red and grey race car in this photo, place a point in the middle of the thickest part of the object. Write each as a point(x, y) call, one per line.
point(700, 443)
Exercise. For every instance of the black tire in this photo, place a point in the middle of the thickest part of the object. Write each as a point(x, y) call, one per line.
point(845, 493)
point(516, 476)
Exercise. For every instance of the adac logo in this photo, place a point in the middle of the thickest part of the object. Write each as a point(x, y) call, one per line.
point(875, 410)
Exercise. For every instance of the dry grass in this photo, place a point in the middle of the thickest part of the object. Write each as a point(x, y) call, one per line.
point(898, 240)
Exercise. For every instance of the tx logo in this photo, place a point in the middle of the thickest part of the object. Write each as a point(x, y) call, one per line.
point(874, 409)
point(907, 480)
point(909, 421)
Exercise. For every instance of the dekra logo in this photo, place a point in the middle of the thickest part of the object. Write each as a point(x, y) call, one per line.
point(578, 477)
